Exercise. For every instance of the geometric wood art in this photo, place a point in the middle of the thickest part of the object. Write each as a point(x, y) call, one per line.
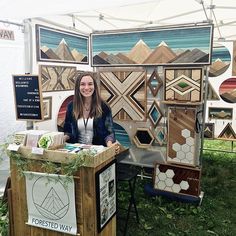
point(121, 135)
point(227, 133)
point(211, 93)
point(160, 135)
point(125, 91)
point(155, 114)
point(153, 47)
point(55, 45)
point(177, 179)
point(143, 138)
point(181, 136)
point(154, 83)
point(57, 78)
point(220, 113)
point(183, 85)
point(227, 90)
point(209, 130)
point(62, 113)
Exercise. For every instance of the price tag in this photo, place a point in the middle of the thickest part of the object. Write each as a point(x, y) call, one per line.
point(13, 147)
point(36, 150)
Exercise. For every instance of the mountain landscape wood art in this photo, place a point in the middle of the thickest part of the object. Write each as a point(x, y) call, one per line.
point(61, 46)
point(183, 45)
point(228, 90)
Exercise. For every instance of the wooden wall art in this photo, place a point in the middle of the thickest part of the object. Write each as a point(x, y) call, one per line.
point(234, 60)
point(121, 135)
point(220, 113)
point(183, 85)
point(155, 114)
point(209, 130)
point(221, 59)
point(211, 93)
point(177, 45)
point(47, 108)
point(57, 78)
point(143, 138)
point(181, 141)
point(177, 179)
point(54, 45)
point(160, 135)
point(62, 113)
point(228, 90)
point(125, 92)
point(154, 83)
point(227, 133)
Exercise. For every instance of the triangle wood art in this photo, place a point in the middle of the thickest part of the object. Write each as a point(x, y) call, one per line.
point(227, 133)
point(211, 93)
point(124, 89)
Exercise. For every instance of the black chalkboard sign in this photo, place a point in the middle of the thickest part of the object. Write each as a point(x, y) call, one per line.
point(28, 97)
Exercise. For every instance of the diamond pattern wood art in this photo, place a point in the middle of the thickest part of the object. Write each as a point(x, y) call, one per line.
point(160, 135)
point(227, 133)
point(181, 136)
point(183, 85)
point(177, 179)
point(57, 78)
point(155, 114)
point(125, 92)
point(143, 138)
point(154, 83)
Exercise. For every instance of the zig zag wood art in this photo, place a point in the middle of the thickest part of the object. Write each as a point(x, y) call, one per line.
point(177, 179)
point(181, 136)
point(125, 92)
point(183, 85)
point(227, 133)
point(57, 78)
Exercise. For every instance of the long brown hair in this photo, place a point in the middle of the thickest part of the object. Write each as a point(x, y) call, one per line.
point(78, 101)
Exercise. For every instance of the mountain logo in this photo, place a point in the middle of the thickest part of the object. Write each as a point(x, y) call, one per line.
point(51, 200)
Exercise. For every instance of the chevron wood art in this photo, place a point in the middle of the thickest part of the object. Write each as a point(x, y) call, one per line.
point(57, 78)
point(177, 179)
point(209, 131)
point(181, 136)
point(154, 83)
point(227, 133)
point(183, 85)
point(125, 92)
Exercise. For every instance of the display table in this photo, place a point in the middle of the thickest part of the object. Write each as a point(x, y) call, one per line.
point(85, 194)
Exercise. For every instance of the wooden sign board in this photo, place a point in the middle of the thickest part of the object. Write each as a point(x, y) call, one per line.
point(28, 97)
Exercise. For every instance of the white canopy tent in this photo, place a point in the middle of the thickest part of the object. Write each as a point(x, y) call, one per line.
point(89, 16)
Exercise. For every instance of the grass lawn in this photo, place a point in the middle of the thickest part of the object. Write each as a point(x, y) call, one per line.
point(160, 216)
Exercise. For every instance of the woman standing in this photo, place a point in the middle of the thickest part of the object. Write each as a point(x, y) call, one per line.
point(88, 118)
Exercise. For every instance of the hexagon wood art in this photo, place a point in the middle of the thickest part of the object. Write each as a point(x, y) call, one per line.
point(181, 143)
point(154, 83)
point(124, 89)
point(143, 138)
point(177, 179)
point(183, 85)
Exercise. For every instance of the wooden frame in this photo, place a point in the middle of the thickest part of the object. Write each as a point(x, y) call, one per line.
point(221, 113)
point(143, 138)
point(106, 199)
point(54, 45)
point(47, 108)
point(158, 46)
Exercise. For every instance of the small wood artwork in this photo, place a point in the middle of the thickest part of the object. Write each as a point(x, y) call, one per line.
point(47, 108)
point(227, 133)
point(125, 91)
point(221, 59)
point(57, 78)
point(211, 93)
point(177, 179)
point(234, 59)
point(220, 113)
point(227, 90)
point(62, 113)
point(143, 138)
point(181, 136)
point(160, 135)
point(154, 83)
point(155, 114)
point(209, 130)
point(183, 85)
